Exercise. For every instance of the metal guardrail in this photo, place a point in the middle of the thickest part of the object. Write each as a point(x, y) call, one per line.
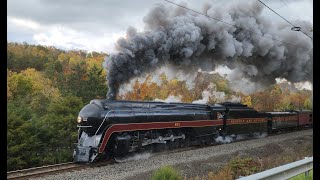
point(284, 172)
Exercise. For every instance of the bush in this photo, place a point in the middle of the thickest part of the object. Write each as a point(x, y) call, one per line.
point(166, 173)
point(244, 166)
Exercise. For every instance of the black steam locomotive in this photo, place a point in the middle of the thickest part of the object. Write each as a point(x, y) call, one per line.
point(110, 128)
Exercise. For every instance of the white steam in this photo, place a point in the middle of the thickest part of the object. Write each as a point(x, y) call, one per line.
point(211, 93)
point(233, 137)
point(134, 157)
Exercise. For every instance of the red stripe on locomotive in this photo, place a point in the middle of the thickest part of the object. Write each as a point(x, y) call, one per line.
point(155, 125)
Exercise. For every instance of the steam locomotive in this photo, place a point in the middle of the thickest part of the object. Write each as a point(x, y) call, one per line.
point(111, 128)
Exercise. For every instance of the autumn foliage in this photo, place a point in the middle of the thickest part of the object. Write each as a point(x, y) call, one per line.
point(274, 98)
point(46, 88)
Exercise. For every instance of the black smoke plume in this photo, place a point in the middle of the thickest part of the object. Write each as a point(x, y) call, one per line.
point(190, 41)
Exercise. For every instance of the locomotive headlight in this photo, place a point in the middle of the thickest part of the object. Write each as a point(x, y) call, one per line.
point(79, 119)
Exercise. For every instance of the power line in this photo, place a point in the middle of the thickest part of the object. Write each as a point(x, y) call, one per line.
point(307, 35)
point(276, 13)
point(294, 28)
point(229, 23)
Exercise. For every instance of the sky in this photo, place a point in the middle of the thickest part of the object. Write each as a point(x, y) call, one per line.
point(96, 25)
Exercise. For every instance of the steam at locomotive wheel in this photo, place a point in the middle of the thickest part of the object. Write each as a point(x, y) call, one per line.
point(114, 129)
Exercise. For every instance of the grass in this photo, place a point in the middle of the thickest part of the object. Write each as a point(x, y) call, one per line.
point(285, 158)
point(303, 177)
point(166, 173)
point(236, 167)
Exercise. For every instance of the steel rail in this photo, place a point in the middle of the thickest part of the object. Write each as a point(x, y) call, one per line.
point(43, 170)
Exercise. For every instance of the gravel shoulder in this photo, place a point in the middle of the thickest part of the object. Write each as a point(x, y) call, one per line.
point(195, 162)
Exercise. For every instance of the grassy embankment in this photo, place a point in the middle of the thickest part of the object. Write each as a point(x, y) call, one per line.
point(240, 166)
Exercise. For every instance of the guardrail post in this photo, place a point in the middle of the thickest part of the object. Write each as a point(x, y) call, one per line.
point(307, 173)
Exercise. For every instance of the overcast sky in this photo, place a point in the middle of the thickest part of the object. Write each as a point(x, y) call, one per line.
point(96, 25)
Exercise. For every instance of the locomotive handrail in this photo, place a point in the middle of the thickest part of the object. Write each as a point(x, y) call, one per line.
point(102, 123)
point(105, 117)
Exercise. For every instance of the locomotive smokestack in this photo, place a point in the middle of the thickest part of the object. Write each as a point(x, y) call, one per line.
point(113, 90)
point(111, 95)
point(187, 40)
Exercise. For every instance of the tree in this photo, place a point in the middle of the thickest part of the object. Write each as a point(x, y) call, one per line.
point(297, 100)
point(307, 104)
point(75, 81)
point(43, 91)
point(58, 130)
point(247, 101)
point(95, 85)
point(19, 85)
point(22, 144)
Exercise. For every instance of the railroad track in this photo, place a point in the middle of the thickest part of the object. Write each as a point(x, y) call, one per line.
point(44, 170)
